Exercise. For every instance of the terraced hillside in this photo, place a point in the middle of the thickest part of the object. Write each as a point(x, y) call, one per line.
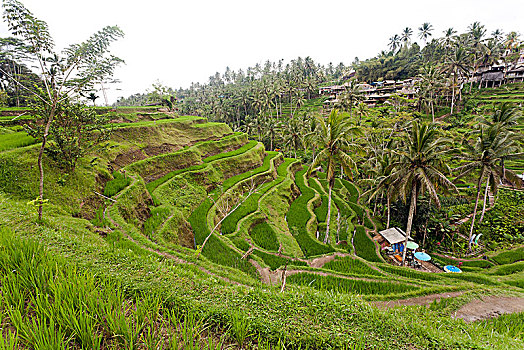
point(194, 236)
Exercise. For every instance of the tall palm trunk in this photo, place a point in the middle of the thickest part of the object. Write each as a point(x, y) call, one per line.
point(412, 207)
point(452, 96)
point(331, 181)
point(389, 212)
point(486, 191)
point(479, 184)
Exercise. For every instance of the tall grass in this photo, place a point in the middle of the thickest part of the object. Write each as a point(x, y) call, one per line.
point(508, 324)
point(250, 205)
point(15, 140)
point(351, 265)
point(119, 182)
point(348, 286)
point(274, 261)
point(48, 303)
point(510, 256)
point(264, 236)
point(364, 246)
point(298, 216)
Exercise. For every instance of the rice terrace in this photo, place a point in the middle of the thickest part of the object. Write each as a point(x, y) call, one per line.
point(377, 204)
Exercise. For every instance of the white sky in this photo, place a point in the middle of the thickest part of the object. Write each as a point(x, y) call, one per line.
point(179, 42)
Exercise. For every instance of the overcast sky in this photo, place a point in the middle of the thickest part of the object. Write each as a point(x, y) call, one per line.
point(179, 42)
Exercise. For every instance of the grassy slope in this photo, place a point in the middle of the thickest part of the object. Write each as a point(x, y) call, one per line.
point(301, 315)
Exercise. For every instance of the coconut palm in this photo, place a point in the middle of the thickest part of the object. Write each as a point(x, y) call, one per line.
point(406, 35)
point(492, 145)
point(456, 65)
point(419, 169)
point(293, 137)
point(430, 82)
point(394, 42)
point(331, 138)
point(425, 31)
point(350, 96)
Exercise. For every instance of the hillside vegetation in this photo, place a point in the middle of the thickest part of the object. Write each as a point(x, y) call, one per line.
point(167, 185)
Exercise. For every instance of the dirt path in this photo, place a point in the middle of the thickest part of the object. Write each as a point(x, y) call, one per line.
point(489, 307)
point(477, 309)
point(423, 300)
point(321, 261)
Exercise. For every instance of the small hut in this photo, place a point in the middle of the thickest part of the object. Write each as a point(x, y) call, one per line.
point(390, 236)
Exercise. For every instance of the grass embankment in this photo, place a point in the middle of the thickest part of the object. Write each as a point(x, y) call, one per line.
point(364, 246)
point(298, 217)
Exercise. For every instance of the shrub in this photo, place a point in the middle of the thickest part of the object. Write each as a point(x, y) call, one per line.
point(364, 246)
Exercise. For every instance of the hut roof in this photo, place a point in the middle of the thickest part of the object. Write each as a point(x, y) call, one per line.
point(393, 235)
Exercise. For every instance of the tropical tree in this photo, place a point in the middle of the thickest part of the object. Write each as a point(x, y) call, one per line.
point(92, 97)
point(425, 31)
point(406, 35)
point(331, 140)
point(394, 42)
point(75, 70)
point(456, 65)
point(430, 82)
point(491, 146)
point(419, 169)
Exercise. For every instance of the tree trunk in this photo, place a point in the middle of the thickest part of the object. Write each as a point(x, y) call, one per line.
point(484, 204)
point(389, 212)
point(40, 164)
point(474, 213)
point(452, 96)
point(329, 211)
point(412, 207)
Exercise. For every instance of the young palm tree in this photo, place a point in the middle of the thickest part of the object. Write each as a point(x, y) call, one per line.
point(419, 169)
point(331, 140)
point(492, 145)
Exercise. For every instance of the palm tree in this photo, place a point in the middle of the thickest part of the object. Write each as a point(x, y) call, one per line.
point(272, 129)
point(394, 42)
point(430, 82)
point(92, 96)
point(293, 139)
point(406, 35)
point(331, 139)
point(419, 169)
point(350, 96)
point(362, 110)
point(476, 34)
point(492, 145)
point(457, 65)
point(497, 34)
point(425, 31)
